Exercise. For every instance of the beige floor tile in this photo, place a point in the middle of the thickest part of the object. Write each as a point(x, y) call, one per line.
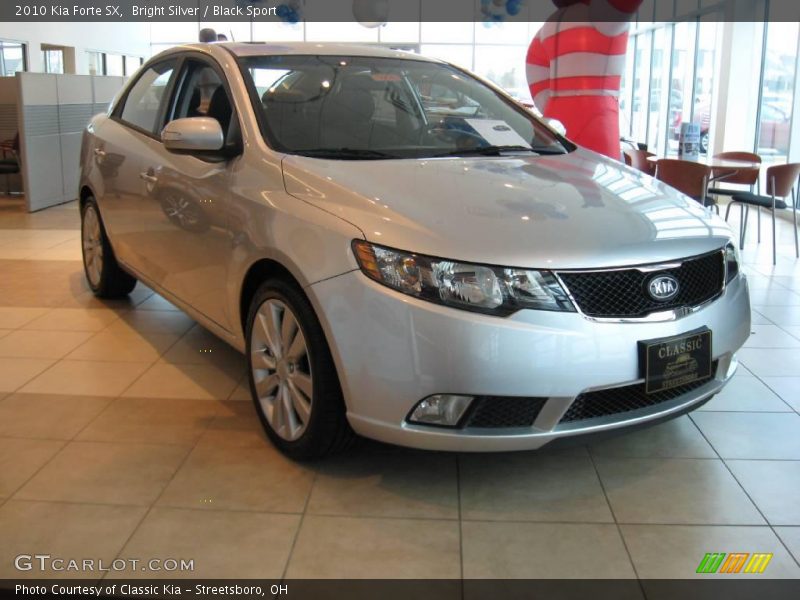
point(107, 473)
point(12, 317)
point(69, 250)
point(41, 344)
point(774, 486)
point(675, 551)
point(151, 420)
point(16, 372)
point(236, 425)
point(201, 347)
point(242, 391)
point(47, 416)
point(678, 438)
point(675, 491)
point(69, 531)
point(771, 362)
point(530, 486)
point(124, 346)
point(183, 381)
point(770, 336)
point(746, 394)
point(766, 436)
point(155, 321)
point(156, 302)
point(231, 477)
point(406, 484)
point(790, 537)
point(346, 547)
point(788, 388)
point(74, 319)
point(222, 544)
point(86, 378)
point(20, 459)
point(543, 550)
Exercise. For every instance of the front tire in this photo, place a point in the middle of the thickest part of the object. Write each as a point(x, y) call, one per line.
point(104, 275)
point(293, 379)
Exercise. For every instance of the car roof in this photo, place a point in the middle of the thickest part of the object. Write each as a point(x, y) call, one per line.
point(244, 49)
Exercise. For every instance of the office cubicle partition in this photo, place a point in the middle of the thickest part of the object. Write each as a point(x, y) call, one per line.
point(52, 112)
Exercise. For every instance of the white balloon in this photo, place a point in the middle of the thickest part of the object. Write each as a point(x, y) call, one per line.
point(371, 13)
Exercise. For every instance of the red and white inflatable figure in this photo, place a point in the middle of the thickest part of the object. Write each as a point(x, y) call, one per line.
point(575, 65)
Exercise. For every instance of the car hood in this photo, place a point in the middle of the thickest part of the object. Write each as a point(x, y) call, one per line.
point(578, 210)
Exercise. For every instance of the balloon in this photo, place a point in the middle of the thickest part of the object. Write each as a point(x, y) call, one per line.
point(371, 13)
point(290, 11)
point(496, 11)
point(580, 92)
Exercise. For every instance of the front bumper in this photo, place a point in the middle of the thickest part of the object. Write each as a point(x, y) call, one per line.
point(393, 350)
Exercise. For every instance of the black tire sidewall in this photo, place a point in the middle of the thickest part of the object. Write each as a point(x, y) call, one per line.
point(327, 405)
point(114, 282)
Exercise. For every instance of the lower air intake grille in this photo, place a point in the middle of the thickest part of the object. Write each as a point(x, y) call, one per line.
point(614, 401)
point(493, 412)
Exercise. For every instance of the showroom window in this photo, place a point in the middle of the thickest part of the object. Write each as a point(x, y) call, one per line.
point(53, 59)
point(96, 62)
point(143, 102)
point(132, 63)
point(12, 58)
point(777, 91)
point(114, 65)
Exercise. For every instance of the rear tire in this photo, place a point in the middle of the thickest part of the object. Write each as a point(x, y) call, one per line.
point(103, 274)
point(293, 379)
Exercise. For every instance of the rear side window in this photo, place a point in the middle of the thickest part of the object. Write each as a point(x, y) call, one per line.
point(143, 103)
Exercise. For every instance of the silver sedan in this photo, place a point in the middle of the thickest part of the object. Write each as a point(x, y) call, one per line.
point(404, 252)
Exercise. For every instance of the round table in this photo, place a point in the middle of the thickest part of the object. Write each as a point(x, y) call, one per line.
point(721, 168)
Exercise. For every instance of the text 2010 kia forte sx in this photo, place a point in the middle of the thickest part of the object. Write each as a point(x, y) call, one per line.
point(404, 252)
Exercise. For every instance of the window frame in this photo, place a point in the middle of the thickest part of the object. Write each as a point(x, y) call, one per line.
point(116, 114)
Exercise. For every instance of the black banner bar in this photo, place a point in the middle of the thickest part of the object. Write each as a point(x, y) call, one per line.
point(729, 587)
point(376, 11)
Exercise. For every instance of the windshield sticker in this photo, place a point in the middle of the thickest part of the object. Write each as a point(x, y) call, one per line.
point(497, 133)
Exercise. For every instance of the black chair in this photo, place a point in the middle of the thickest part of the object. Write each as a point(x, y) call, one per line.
point(781, 180)
point(10, 166)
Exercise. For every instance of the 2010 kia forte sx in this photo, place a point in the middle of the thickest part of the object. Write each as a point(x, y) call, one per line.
point(404, 252)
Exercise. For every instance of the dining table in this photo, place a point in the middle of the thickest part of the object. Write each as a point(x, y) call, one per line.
point(721, 168)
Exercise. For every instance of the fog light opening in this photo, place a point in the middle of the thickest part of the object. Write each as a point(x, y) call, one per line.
point(441, 410)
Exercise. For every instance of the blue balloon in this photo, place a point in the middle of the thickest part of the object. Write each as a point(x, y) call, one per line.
point(513, 7)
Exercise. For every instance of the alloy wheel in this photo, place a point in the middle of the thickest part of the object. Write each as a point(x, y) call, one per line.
point(281, 369)
point(92, 245)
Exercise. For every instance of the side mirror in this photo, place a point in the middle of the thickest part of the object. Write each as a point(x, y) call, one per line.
point(556, 126)
point(193, 135)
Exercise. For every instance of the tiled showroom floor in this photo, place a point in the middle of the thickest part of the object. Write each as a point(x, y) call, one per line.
point(126, 431)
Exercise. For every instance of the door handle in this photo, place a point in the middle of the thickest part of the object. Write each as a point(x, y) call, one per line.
point(148, 177)
point(99, 153)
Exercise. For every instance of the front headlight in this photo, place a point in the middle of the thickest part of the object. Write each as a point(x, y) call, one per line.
point(731, 263)
point(480, 288)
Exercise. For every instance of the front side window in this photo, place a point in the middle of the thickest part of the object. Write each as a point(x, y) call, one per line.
point(203, 94)
point(365, 107)
point(143, 102)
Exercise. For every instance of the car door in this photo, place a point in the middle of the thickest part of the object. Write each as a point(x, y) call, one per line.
point(122, 142)
point(184, 239)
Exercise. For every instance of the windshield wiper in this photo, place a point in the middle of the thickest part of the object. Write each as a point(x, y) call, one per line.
point(346, 153)
point(498, 150)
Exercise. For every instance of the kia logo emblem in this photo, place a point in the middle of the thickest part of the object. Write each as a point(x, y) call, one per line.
point(663, 287)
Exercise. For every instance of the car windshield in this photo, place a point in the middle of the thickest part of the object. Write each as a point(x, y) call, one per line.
point(353, 108)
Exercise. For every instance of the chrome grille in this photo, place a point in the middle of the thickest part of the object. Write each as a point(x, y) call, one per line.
point(622, 293)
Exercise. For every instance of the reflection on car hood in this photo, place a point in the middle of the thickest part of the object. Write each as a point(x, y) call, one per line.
point(579, 210)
